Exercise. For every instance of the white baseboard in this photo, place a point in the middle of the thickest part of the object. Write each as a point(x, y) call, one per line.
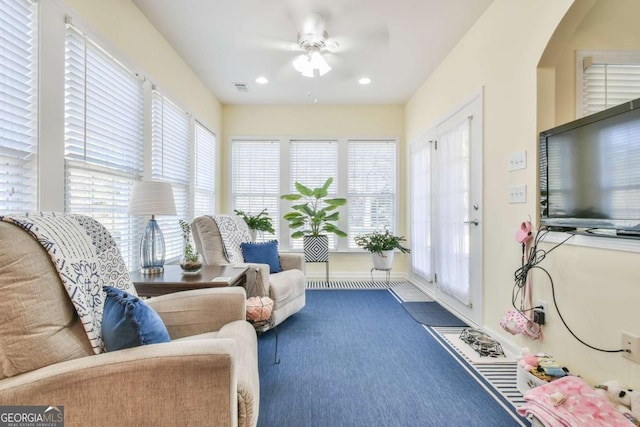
point(351, 276)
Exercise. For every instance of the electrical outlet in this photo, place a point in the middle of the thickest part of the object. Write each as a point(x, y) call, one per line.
point(544, 306)
point(631, 347)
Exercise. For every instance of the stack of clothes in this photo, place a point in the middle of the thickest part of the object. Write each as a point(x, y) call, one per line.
point(569, 401)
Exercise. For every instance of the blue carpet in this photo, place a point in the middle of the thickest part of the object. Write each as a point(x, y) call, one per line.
point(431, 314)
point(355, 358)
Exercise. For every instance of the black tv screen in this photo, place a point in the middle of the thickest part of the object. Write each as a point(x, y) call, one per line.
point(590, 171)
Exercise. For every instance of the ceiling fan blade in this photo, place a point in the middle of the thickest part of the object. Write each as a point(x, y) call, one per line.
point(269, 44)
point(370, 38)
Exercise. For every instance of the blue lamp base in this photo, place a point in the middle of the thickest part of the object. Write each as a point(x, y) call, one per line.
point(152, 249)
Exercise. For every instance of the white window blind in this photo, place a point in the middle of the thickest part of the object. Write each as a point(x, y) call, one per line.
point(608, 79)
point(312, 162)
point(18, 124)
point(171, 159)
point(372, 187)
point(421, 218)
point(255, 178)
point(103, 139)
point(204, 202)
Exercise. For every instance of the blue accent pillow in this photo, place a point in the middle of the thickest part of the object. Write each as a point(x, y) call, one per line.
point(127, 321)
point(262, 253)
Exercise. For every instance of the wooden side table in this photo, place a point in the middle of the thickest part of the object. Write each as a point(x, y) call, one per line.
point(173, 280)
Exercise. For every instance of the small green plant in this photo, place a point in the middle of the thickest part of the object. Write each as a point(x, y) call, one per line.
point(312, 215)
point(378, 241)
point(189, 254)
point(260, 222)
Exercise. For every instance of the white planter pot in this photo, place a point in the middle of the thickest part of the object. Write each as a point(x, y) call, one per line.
point(384, 261)
point(253, 234)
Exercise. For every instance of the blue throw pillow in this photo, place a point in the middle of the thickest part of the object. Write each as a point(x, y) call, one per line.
point(127, 321)
point(262, 253)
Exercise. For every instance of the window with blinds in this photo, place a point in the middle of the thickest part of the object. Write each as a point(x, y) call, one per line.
point(372, 187)
point(103, 139)
point(312, 162)
point(204, 197)
point(606, 79)
point(171, 159)
point(18, 78)
point(255, 178)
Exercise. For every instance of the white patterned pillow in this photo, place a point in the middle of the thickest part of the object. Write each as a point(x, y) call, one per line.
point(233, 231)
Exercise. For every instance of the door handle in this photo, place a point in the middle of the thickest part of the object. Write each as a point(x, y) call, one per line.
point(473, 221)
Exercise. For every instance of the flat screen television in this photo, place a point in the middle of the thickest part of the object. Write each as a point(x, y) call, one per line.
point(590, 172)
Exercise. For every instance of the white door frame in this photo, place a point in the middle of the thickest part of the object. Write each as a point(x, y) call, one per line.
point(473, 107)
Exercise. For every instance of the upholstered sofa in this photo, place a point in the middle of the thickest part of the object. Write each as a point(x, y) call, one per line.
point(285, 288)
point(206, 375)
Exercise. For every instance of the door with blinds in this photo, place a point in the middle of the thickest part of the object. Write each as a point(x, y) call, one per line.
point(446, 217)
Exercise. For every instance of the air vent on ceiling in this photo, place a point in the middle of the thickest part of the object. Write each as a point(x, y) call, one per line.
point(241, 86)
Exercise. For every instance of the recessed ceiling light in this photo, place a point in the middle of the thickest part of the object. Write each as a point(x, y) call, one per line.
point(262, 80)
point(364, 81)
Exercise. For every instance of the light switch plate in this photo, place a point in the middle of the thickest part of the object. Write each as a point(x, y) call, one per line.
point(518, 194)
point(517, 160)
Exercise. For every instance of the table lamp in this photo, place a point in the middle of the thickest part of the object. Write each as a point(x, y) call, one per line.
point(152, 198)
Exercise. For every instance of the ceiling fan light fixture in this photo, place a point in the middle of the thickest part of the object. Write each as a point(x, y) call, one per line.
point(310, 61)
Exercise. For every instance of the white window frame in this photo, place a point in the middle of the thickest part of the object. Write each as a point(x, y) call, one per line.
point(275, 213)
point(167, 165)
point(19, 150)
point(584, 58)
point(341, 180)
point(56, 34)
point(117, 181)
point(204, 169)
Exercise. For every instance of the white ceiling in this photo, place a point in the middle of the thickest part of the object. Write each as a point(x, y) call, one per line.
point(395, 43)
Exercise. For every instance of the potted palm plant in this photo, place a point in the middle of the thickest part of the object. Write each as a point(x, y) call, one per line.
point(261, 222)
point(314, 218)
point(382, 245)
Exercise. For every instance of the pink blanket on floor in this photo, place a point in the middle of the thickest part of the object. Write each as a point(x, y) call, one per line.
point(582, 407)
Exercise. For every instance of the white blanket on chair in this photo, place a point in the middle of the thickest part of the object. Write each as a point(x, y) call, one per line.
point(86, 258)
point(233, 232)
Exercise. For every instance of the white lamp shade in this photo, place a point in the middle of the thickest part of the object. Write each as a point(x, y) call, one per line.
point(152, 198)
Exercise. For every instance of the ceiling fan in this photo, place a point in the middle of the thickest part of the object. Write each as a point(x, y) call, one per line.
point(313, 40)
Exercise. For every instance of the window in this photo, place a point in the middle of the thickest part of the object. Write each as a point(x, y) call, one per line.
point(372, 187)
point(255, 178)
point(363, 171)
point(18, 168)
point(204, 198)
point(103, 139)
point(171, 159)
point(311, 164)
point(606, 79)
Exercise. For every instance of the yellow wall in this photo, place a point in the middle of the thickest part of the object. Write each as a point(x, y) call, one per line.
point(322, 121)
point(123, 25)
point(597, 290)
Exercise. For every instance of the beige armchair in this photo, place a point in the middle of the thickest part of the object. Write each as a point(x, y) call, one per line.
point(286, 288)
point(206, 375)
